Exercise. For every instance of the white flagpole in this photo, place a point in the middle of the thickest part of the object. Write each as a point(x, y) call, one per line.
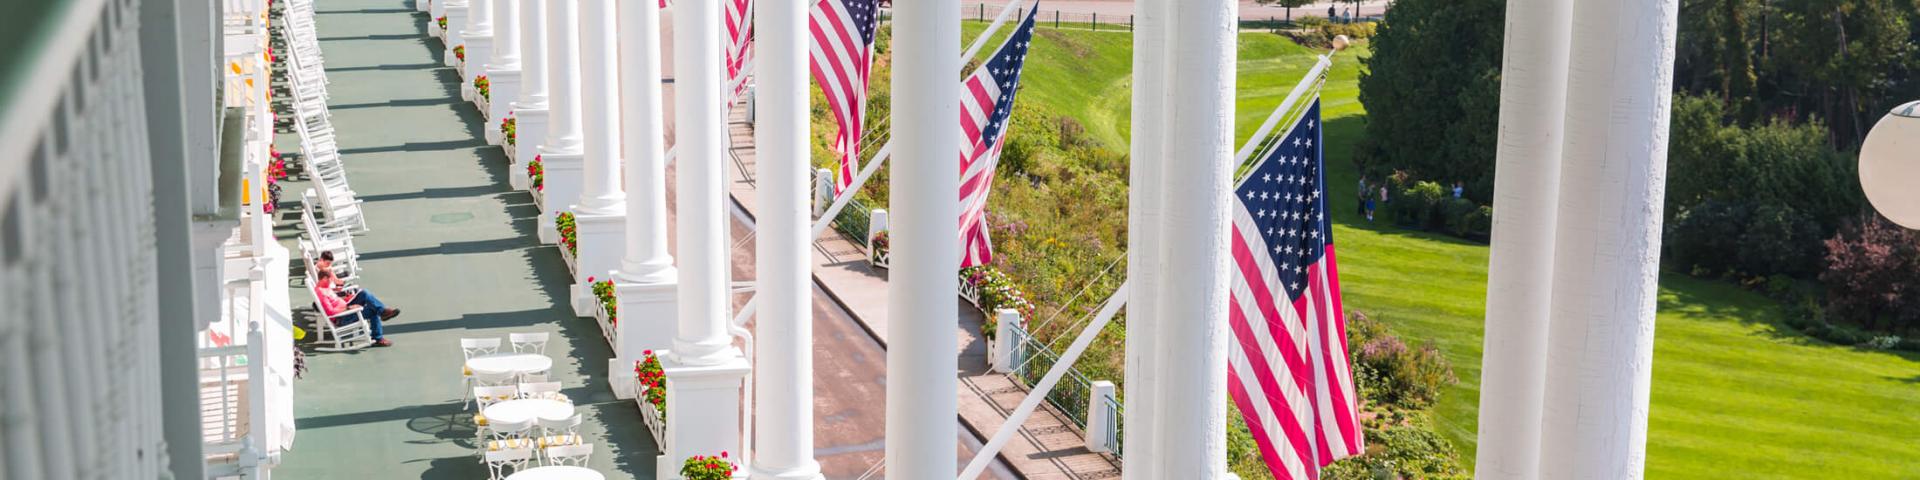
point(1293, 97)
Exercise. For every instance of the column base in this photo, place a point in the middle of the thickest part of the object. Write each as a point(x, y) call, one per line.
point(649, 312)
point(703, 408)
point(809, 472)
point(603, 238)
point(531, 123)
point(506, 85)
point(456, 14)
point(479, 51)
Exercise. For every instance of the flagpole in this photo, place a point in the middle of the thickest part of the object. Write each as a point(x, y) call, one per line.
point(981, 41)
point(1293, 97)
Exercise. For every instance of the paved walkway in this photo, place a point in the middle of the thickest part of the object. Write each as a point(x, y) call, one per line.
point(453, 247)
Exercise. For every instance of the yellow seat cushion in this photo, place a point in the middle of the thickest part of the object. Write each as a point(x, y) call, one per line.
point(466, 371)
point(512, 443)
point(479, 419)
point(558, 440)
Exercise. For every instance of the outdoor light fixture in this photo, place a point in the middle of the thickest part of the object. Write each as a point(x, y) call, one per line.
point(1890, 165)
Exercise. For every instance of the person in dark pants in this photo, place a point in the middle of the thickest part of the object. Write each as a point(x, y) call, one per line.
point(331, 304)
point(1332, 13)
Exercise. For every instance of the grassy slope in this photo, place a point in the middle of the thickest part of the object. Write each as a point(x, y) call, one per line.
point(1731, 392)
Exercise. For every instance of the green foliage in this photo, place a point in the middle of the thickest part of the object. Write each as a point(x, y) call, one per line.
point(1433, 87)
point(1407, 378)
point(1456, 213)
point(652, 380)
point(604, 292)
point(1320, 33)
point(1400, 452)
point(569, 234)
point(1417, 206)
point(699, 467)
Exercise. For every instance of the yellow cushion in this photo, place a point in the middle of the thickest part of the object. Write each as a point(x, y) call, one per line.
point(466, 371)
point(479, 419)
point(558, 440)
point(495, 445)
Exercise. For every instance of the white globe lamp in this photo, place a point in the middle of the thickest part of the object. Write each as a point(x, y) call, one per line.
point(1890, 165)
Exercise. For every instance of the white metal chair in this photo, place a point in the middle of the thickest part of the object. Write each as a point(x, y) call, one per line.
point(556, 433)
point(469, 348)
point(482, 397)
point(509, 436)
point(535, 342)
point(571, 455)
point(501, 463)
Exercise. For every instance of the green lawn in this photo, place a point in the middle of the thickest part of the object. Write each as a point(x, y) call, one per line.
point(1734, 394)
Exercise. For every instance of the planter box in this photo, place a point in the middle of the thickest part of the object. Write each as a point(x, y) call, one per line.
point(972, 295)
point(606, 327)
point(573, 264)
point(539, 199)
point(481, 101)
point(513, 152)
point(879, 259)
point(656, 425)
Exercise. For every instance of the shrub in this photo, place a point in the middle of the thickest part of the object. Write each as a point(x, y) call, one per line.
point(1406, 377)
point(1400, 452)
point(708, 468)
point(1479, 224)
point(1415, 207)
point(1432, 90)
point(1705, 239)
point(1873, 275)
point(1454, 213)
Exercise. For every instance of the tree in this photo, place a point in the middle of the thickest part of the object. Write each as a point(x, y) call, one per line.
point(1432, 90)
point(1873, 274)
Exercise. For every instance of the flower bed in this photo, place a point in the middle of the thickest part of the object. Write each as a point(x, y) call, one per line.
point(536, 174)
point(708, 468)
point(652, 382)
point(480, 86)
point(608, 312)
point(993, 290)
point(442, 23)
point(569, 240)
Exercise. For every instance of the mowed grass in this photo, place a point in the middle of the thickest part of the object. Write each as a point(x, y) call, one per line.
point(1735, 393)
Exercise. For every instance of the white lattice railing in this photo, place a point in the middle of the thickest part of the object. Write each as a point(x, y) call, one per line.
point(79, 364)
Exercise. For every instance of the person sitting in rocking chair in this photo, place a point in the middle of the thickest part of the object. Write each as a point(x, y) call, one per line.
point(331, 304)
point(353, 295)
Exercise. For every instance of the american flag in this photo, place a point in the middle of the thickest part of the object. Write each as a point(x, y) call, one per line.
point(1289, 374)
point(842, 48)
point(986, 105)
point(739, 37)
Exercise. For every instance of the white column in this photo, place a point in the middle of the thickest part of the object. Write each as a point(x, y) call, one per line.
point(922, 396)
point(783, 337)
point(1143, 235)
point(530, 111)
point(1607, 242)
point(1192, 406)
point(503, 68)
point(701, 129)
point(479, 40)
point(1513, 371)
point(563, 151)
point(647, 282)
point(602, 209)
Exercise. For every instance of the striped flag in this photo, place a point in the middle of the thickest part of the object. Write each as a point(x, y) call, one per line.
point(986, 105)
point(739, 38)
point(842, 48)
point(1289, 374)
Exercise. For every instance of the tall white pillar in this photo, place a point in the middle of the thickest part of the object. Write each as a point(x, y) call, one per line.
point(531, 109)
point(647, 281)
point(701, 129)
point(503, 68)
point(1513, 373)
point(706, 374)
point(783, 340)
point(1143, 234)
point(479, 40)
point(602, 210)
point(562, 154)
point(1607, 243)
point(922, 396)
point(1193, 268)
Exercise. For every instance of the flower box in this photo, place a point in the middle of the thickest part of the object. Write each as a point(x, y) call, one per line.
point(878, 253)
point(539, 199)
point(606, 309)
point(651, 396)
point(569, 241)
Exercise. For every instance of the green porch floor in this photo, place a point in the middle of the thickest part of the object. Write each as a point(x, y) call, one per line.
point(453, 247)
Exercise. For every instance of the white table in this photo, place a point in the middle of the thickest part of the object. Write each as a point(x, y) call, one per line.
point(557, 472)
point(514, 363)
point(516, 411)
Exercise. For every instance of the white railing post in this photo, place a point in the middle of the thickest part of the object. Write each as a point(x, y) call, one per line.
point(1100, 427)
point(1004, 342)
point(822, 191)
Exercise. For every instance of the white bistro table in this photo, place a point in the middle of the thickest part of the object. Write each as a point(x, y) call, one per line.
point(514, 363)
point(516, 411)
point(557, 472)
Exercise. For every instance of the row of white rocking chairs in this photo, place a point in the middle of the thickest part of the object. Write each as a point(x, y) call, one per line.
point(330, 215)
